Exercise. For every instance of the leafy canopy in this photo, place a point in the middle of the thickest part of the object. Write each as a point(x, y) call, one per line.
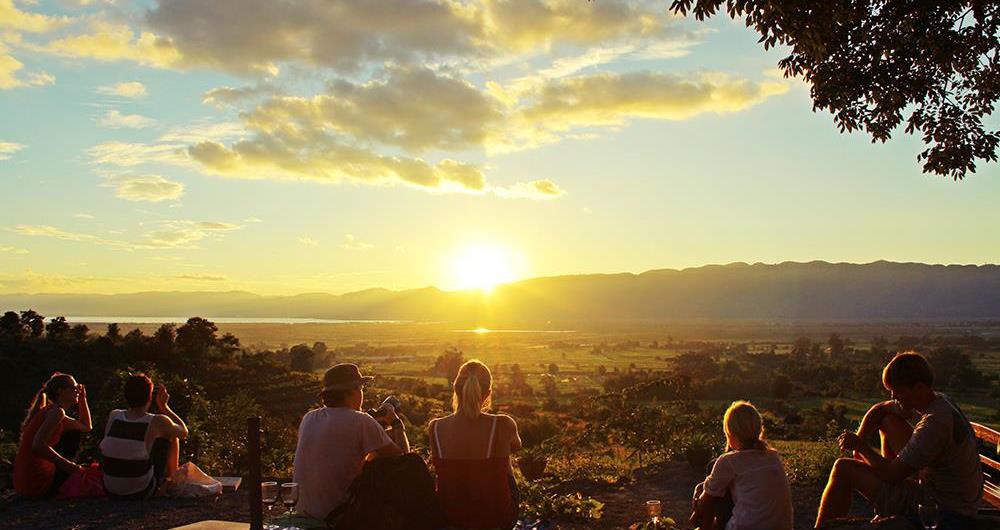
point(869, 62)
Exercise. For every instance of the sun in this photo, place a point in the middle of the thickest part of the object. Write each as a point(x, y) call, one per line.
point(482, 266)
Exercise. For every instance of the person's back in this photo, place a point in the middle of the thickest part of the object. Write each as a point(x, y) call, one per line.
point(943, 446)
point(471, 455)
point(333, 442)
point(759, 486)
point(125, 450)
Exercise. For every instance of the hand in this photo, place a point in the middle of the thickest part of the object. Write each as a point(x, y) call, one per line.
point(81, 393)
point(850, 441)
point(162, 397)
point(388, 414)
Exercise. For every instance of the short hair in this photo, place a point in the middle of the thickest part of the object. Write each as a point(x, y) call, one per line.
point(138, 390)
point(908, 369)
point(335, 398)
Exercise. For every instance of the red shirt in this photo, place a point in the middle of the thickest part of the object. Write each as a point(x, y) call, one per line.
point(33, 474)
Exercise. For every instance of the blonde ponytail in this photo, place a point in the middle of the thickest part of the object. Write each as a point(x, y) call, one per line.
point(472, 389)
point(744, 425)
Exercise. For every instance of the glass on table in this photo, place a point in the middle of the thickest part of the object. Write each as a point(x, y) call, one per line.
point(269, 497)
point(290, 497)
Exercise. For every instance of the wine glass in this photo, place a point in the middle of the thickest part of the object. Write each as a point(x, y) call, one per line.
point(929, 514)
point(269, 496)
point(289, 497)
point(655, 509)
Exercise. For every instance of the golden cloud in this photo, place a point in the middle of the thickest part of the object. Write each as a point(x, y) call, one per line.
point(108, 41)
point(12, 18)
point(151, 188)
point(8, 149)
point(130, 89)
point(9, 68)
point(116, 120)
point(413, 108)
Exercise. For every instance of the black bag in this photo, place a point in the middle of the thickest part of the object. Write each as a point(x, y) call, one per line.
point(395, 493)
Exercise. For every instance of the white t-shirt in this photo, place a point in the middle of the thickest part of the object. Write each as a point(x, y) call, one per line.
point(761, 496)
point(333, 443)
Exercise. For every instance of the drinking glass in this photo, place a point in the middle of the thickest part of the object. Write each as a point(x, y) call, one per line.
point(289, 497)
point(930, 516)
point(655, 510)
point(269, 496)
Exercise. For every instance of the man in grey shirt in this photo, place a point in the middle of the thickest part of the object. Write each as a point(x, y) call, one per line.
point(940, 452)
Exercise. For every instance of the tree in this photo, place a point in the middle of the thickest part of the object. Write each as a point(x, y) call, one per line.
point(79, 332)
point(871, 61)
point(549, 385)
point(448, 363)
point(11, 327)
point(33, 323)
point(781, 386)
point(553, 369)
point(114, 333)
point(57, 329)
point(196, 336)
point(164, 337)
point(302, 358)
point(836, 345)
point(801, 347)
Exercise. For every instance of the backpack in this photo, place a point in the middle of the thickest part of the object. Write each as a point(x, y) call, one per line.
point(395, 493)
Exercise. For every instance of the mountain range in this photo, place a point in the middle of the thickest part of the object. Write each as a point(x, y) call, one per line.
point(789, 290)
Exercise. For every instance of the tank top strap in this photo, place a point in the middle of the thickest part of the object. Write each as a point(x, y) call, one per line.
point(437, 440)
point(493, 431)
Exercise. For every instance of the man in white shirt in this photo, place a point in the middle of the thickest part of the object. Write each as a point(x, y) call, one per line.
point(940, 449)
point(335, 440)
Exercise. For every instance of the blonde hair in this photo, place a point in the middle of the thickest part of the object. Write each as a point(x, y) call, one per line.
point(472, 389)
point(743, 424)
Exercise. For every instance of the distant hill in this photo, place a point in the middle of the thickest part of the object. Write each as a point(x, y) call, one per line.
point(797, 291)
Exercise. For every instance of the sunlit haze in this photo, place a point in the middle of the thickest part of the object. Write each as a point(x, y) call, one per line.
point(143, 151)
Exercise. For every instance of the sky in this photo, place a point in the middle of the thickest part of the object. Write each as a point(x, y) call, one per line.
point(338, 145)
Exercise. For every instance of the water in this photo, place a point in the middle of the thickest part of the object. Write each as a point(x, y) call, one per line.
point(220, 320)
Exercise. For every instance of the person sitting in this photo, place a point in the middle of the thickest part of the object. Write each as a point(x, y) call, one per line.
point(50, 439)
point(750, 476)
point(941, 448)
point(140, 450)
point(336, 439)
point(471, 451)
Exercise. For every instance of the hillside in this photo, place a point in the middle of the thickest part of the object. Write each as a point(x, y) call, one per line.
point(785, 291)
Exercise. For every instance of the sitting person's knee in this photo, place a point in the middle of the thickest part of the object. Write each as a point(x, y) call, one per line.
point(845, 467)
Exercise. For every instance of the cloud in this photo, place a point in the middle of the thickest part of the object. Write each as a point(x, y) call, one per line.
point(611, 100)
point(9, 68)
point(255, 37)
point(8, 149)
point(184, 233)
point(167, 234)
point(13, 19)
point(13, 250)
point(538, 190)
point(152, 188)
point(228, 96)
point(322, 157)
point(116, 120)
point(413, 108)
point(201, 131)
point(83, 216)
point(201, 277)
point(122, 154)
point(110, 41)
point(130, 89)
point(308, 241)
point(351, 243)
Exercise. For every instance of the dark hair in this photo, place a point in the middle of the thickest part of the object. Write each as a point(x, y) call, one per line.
point(908, 369)
point(138, 390)
point(56, 382)
point(335, 398)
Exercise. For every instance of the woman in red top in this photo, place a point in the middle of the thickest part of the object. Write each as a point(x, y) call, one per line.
point(471, 453)
point(49, 438)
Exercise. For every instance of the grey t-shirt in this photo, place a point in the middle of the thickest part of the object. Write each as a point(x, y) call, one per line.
point(943, 448)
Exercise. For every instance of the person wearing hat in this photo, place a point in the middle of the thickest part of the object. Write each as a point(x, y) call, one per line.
point(336, 439)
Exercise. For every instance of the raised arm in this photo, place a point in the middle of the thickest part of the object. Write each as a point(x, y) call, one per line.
point(174, 427)
point(84, 423)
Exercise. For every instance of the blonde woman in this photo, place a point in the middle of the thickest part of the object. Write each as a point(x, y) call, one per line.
point(751, 473)
point(471, 451)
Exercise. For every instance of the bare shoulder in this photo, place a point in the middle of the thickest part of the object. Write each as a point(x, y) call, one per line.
point(507, 422)
point(55, 413)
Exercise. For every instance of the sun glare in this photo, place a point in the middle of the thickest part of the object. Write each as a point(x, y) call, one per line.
point(483, 267)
